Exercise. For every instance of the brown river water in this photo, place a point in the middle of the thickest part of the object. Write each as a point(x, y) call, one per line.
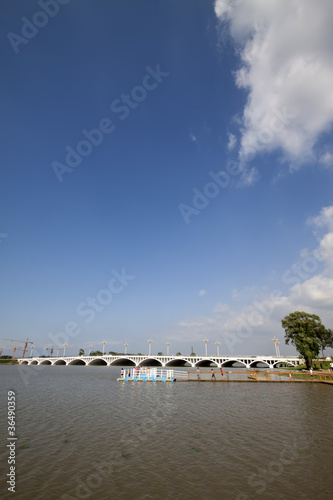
point(81, 434)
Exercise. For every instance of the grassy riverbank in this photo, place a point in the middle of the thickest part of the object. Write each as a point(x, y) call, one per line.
point(317, 365)
point(8, 361)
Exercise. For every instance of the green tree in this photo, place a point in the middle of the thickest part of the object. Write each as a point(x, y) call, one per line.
point(306, 332)
point(192, 354)
point(81, 352)
point(96, 353)
point(178, 354)
point(160, 354)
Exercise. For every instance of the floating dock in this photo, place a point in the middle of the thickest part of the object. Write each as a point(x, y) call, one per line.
point(152, 375)
point(165, 375)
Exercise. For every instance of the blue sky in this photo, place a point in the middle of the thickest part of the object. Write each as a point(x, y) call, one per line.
point(181, 91)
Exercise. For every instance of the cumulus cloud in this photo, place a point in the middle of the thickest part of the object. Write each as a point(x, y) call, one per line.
point(325, 251)
point(232, 140)
point(325, 218)
point(306, 286)
point(285, 48)
point(202, 292)
point(326, 159)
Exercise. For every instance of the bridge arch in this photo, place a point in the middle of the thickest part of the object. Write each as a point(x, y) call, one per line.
point(25, 362)
point(256, 364)
point(77, 361)
point(206, 362)
point(34, 362)
point(234, 363)
point(178, 362)
point(98, 361)
point(60, 362)
point(122, 362)
point(150, 362)
point(46, 362)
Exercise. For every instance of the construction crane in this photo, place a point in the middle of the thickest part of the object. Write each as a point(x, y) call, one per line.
point(17, 347)
point(6, 347)
point(25, 345)
point(50, 349)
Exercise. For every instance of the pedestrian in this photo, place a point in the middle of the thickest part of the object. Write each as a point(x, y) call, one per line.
point(331, 365)
point(198, 374)
point(290, 376)
point(221, 370)
point(122, 373)
point(213, 375)
point(311, 371)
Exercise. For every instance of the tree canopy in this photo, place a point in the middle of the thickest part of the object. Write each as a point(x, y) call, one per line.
point(307, 333)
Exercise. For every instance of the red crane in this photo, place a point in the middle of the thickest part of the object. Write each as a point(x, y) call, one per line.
point(50, 349)
point(25, 345)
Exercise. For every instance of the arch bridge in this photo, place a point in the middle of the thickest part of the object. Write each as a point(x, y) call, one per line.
point(165, 361)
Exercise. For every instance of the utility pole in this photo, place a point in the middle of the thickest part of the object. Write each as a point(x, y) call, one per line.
point(205, 341)
point(277, 349)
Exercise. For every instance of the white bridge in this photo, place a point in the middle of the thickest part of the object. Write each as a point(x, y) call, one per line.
point(164, 361)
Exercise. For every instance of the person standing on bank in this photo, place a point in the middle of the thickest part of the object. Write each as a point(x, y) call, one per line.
point(213, 375)
point(198, 374)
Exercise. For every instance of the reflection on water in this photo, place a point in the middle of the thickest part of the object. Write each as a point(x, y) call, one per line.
point(82, 434)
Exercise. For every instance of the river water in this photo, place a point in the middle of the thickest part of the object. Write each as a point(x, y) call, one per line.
point(83, 435)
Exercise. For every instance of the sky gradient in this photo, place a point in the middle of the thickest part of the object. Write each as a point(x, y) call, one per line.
point(166, 173)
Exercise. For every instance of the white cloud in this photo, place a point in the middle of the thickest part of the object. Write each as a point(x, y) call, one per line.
point(232, 140)
point(316, 292)
point(325, 250)
point(202, 292)
point(325, 218)
point(193, 137)
point(251, 327)
point(326, 159)
point(287, 67)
